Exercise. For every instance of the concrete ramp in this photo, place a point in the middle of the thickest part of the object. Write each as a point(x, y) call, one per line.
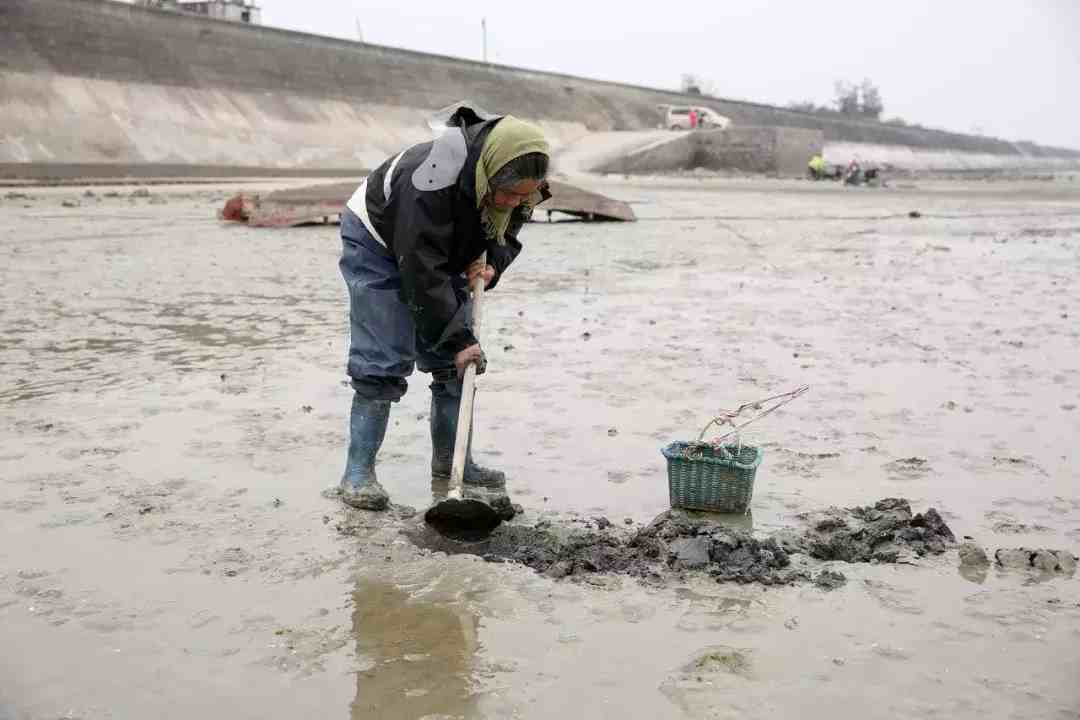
point(597, 149)
point(673, 152)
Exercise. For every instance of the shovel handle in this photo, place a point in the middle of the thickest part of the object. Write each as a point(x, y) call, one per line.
point(468, 395)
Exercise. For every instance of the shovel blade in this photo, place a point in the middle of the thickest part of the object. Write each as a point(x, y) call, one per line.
point(463, 519)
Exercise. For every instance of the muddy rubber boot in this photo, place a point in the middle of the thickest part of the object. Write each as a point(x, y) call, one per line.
point(445, 403)
point(367, 428)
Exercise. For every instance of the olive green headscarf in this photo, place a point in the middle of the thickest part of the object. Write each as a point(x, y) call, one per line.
point(509, 139)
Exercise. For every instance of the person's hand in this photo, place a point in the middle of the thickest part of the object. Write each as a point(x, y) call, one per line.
point(479, 269)
point(471, 354)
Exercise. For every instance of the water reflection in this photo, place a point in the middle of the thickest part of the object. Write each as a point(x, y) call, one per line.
point(440, 489)
point(975, 574)
point(416, 655)
point(735, 521)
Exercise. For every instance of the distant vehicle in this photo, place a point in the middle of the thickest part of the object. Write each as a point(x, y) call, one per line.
point(677, 117)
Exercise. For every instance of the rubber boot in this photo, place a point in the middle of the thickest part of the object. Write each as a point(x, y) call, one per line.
point(367, 428)
point(445, 404)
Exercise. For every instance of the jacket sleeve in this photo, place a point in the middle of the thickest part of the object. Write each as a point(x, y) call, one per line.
point(423, 234)
point(500, 256)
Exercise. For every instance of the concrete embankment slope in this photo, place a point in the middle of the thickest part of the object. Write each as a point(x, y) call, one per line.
point(92, 81)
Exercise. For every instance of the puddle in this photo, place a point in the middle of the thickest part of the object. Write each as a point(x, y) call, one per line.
point(416, 656)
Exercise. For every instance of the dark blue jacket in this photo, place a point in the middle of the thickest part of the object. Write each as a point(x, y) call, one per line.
point(432, 226)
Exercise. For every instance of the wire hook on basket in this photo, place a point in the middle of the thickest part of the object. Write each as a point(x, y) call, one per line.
point(728, 418)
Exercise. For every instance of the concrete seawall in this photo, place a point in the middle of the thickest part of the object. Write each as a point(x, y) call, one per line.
point(776, 151)
point(140, 85)
point(783, 152)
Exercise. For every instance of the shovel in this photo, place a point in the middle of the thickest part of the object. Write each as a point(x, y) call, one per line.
point(458, 516)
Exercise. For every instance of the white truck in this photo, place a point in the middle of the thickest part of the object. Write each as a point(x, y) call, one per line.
point(677, 117)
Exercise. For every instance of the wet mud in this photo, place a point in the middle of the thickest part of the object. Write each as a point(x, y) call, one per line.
point(677, 542)
point(173, 408)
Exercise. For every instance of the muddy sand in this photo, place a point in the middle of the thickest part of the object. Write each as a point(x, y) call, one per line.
point(172, 408)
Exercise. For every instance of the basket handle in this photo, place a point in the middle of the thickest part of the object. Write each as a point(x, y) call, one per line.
point(728, 417)
point(719, 420)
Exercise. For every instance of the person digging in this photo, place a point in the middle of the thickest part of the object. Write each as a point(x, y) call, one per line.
point(412, 237)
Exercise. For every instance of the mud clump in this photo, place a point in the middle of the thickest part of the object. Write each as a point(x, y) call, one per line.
point(689, 553)
point(672, 542)
point(727, 554)
point(1039, 560)
point(721, 659)
point(676, 542)
point(1017, 528)
point(973, 556)
point(974, 563)
point(830, 580)
point(877, 533)
point(559, 552)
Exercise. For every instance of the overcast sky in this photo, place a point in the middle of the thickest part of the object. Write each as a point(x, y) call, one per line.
point(1009, 68)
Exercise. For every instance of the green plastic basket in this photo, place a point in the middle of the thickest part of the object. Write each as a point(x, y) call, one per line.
point(701, 478)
